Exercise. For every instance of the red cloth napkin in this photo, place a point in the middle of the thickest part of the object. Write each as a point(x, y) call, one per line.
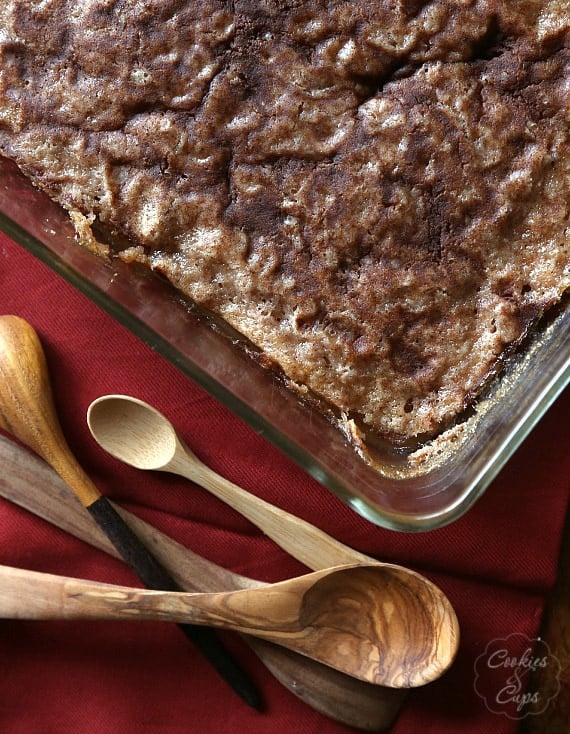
point(496, 564)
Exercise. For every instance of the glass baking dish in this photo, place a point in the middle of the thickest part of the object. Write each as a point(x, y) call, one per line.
point(406, 490)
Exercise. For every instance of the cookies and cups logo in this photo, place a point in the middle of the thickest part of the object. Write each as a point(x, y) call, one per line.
point(505, 675)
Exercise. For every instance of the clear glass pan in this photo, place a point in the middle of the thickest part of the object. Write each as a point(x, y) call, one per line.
point(402, 491)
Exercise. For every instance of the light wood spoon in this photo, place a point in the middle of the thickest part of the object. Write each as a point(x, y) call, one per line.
point(30, 483)
point(139, 435)
point(370, 622)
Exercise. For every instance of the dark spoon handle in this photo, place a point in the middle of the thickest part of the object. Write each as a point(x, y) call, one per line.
point(154, 576)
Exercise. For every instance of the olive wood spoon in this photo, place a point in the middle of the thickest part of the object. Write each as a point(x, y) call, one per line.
point(27, 411)
point(30, 483)
point(366, 621)
point(139, 435)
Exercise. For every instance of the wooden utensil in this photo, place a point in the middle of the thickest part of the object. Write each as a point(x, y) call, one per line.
point(30, 483)
point(366, 621)
point(139, 435)
point(27, 411)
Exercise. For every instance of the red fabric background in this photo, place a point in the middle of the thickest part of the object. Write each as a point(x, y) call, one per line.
point(496, 564)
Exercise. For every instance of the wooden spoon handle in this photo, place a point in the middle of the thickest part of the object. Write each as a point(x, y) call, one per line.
point(305, 542)
point(28, 594)
point(34, 595)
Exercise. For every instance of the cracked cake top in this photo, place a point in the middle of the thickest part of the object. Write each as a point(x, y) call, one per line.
point(374, 193)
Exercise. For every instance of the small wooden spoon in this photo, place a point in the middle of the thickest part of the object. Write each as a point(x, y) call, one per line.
point(139, 435)
point(370, 622)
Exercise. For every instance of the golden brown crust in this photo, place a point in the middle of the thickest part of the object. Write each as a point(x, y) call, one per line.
point(375, 194)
